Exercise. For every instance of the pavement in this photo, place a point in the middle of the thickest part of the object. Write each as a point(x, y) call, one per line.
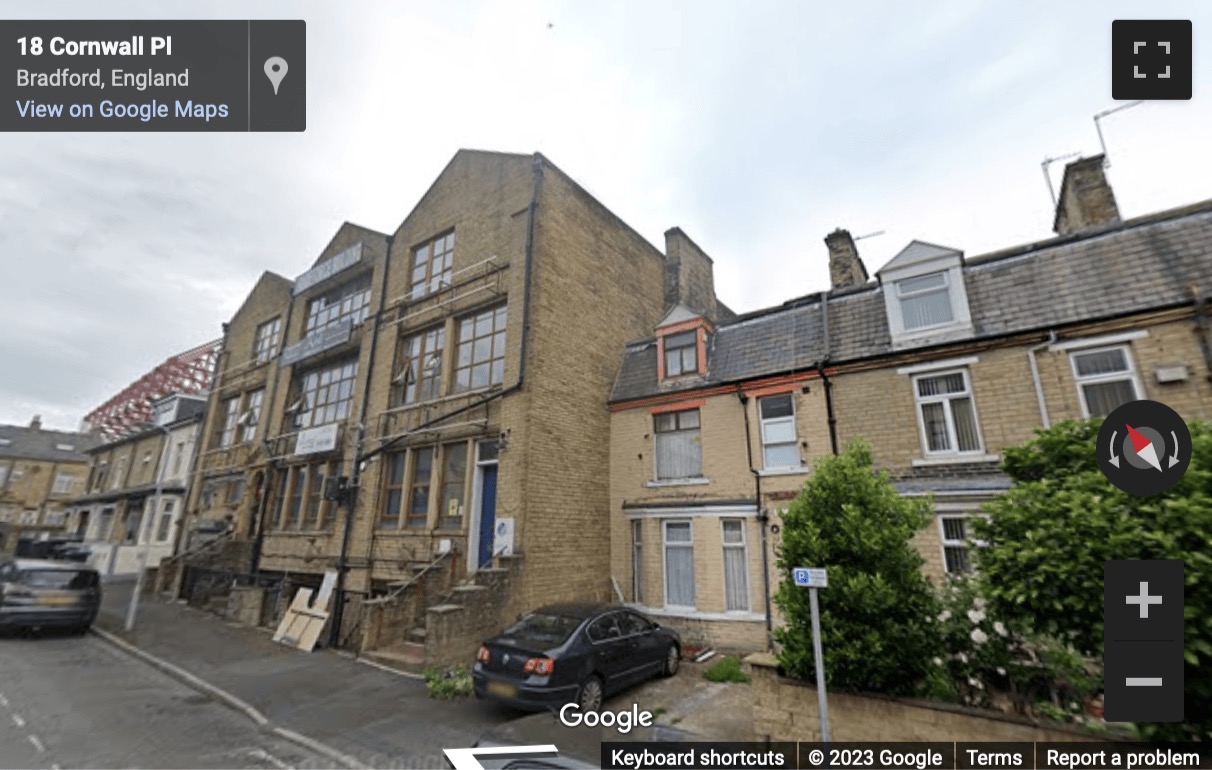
point(358, 713)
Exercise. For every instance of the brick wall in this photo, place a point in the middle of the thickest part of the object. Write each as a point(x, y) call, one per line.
point(786, 710)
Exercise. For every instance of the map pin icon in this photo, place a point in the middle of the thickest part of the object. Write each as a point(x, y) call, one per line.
point(275, 70)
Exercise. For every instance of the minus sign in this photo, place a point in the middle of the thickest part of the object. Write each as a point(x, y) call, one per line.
point(1143, 681)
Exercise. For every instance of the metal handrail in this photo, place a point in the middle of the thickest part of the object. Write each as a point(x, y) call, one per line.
point(404, 586)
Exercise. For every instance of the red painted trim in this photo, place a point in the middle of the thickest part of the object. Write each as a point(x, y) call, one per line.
point(687, 325)
point(679, 406)
point(660, 359)
point(717, 390)
point(701, 351)
point(772, 390)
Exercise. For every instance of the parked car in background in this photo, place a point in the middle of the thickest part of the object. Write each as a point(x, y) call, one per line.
point(573, 653)
point(35, 593)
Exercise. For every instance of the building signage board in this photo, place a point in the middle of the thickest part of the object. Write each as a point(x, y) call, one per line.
point(321, 439)
point(328, 268)
point(317, 342)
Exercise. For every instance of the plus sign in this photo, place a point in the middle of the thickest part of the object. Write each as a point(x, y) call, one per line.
point(1144, 600)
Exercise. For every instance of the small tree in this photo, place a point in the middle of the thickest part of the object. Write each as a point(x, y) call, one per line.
point(1050, 534)
point(878, 612)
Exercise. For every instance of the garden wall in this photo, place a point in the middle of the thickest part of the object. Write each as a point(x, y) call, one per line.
point(786, 710)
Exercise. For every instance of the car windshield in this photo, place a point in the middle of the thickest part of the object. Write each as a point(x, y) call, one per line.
point(554, 629)
point(59, 578)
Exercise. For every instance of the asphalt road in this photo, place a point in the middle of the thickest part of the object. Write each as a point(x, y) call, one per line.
point(77, 702)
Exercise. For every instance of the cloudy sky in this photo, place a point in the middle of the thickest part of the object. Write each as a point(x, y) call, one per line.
point(758, 127)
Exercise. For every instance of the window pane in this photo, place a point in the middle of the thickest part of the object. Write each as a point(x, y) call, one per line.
point(935, 424)
point(957, 559)
point(679, 340)
point(921, 283)
point(776, 406)
point(688, 419)
point(679, 455)
point(1100, 362)
point(779, 431)
point(937, 386)
point(667, 421)
point(673, 363)
point(965, 425)
point(1103, 397)
point(924, 310)
point(734, 531)
point(954, 528)
point(679, 576)
point(736, 579)
point(677, 532)
point(781, 456)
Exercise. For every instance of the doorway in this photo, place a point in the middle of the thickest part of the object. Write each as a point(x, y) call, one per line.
point(484, 505)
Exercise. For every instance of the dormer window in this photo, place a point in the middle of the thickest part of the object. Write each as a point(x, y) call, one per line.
point(925, 297)
point(681, 354)
point(925, 301)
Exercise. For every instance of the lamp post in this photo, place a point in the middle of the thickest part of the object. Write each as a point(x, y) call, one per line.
point(147, 526)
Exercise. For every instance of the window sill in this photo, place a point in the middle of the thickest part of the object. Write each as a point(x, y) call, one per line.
point(956, 459)
point(690, 613)
point(784, 471)
point(677, 482)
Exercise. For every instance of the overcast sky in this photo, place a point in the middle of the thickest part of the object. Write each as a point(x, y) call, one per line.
point(756, 127)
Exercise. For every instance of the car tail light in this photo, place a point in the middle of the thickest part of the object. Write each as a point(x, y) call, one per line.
point(483, 656)
point(540, 666)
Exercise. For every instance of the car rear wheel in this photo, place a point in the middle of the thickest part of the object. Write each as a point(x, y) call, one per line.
point(589, 697)
point(673, 659)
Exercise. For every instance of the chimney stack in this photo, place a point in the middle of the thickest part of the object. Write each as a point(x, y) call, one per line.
point(1086, 199)
point(689, 275)
point(36, 423)
point(846, 269)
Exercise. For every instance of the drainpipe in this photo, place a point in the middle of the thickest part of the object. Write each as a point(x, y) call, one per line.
point(1035, 379)
point(762, 517)
point(831, 416)
point(271, 468)
point(351, 490)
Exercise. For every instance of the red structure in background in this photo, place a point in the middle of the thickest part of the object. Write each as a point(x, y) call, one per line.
point(188, 372)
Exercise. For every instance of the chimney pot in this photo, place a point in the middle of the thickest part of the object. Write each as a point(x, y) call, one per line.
point(1086, 198)
point(36, 423)
point(845, 267)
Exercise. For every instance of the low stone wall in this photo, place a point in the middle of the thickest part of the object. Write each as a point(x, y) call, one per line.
point(786, 710)
point(386, 621)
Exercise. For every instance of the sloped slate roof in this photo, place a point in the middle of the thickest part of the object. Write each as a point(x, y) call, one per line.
point(1129, 267)
point(29, 444)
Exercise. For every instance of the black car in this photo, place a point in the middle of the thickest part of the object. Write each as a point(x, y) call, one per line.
point(573, 653)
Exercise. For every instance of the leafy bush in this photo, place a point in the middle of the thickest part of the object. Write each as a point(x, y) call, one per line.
point(727, 669)
point(877, 615)
point(445, 685)
point(1049, 535)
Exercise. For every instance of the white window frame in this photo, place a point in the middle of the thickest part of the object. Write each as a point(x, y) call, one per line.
point(945, 289)
point(795, 440)
point(665, 546)
point(968, 544)
point(63, 483)
point(1080, 381)
point(743, 547)
point(952, 433)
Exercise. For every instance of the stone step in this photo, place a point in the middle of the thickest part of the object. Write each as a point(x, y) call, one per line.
point(417, 635)
point(402, 656)
point(470, 589)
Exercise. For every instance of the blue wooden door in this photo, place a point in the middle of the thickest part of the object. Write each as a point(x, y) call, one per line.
point(488, 512)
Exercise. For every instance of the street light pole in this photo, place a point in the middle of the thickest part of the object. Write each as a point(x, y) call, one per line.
point(146, 531)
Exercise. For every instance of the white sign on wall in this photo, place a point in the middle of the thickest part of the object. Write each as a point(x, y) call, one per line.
point(321, 439)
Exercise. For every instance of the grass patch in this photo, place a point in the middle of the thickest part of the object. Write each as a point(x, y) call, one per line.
point(727, 669)
point(445, 685)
